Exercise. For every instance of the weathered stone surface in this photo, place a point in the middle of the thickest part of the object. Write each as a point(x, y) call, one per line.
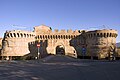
point(0, 43)
point(98, 43)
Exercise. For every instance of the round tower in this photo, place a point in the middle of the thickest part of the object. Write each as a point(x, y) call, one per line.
point(101, 42)
point(15, 43)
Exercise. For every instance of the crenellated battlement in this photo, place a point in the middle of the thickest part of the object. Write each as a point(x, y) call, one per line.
point(102, 33)
point(19, 34)
point(43, 29)
point(67, 31)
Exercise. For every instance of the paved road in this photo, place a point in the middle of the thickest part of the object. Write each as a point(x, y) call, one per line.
point(60, 68)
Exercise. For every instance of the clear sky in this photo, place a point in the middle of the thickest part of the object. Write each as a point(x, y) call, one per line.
point(60, 14)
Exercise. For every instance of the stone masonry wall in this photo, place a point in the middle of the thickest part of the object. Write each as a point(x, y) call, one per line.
point(97, 43)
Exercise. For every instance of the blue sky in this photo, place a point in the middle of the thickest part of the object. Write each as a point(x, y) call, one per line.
point(60, 14)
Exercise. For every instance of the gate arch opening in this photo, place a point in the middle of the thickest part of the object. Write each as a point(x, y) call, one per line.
point(60, 50)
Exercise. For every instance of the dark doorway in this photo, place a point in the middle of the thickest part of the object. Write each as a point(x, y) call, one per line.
point(60, 50)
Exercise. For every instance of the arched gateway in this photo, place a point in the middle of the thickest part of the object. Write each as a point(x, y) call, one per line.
point(60, 49)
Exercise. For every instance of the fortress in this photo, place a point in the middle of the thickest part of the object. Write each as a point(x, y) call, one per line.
point(96, 43)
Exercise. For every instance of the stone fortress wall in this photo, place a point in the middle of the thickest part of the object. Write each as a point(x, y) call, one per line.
point(98, 43)
point(0, 43)
point(15, 43)
point(101, 42)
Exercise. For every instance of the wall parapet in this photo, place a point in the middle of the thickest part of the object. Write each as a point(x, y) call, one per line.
point(102, 33)
point(19, 34)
